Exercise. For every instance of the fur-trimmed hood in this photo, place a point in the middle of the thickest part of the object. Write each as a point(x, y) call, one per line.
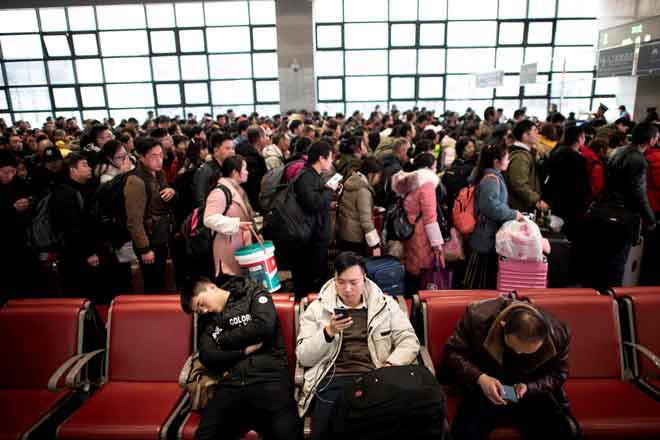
point(404, 183)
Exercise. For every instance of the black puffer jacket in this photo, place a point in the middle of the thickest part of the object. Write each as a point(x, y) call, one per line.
point(249, 318)
point(625, 182)
point(314, 199)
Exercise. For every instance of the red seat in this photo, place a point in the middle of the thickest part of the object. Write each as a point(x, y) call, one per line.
point(533, 293)
point(477, 294)
point(605, 405)
point(54, 333)
point(286, 313)
point(47, 302)
point(148, 343)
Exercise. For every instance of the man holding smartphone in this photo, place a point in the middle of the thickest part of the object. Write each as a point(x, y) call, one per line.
point(352, 329)
point(508, 361)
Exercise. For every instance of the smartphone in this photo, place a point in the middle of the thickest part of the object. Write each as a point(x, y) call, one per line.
point(341, 313)
point(334, 180)
point(509, 393)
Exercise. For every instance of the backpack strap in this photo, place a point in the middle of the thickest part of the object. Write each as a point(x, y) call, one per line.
point(228, 196)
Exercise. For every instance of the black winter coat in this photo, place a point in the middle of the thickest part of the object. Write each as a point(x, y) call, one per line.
point(256, 168)
point(249, 318)
point(625, 182)
point(315, 198)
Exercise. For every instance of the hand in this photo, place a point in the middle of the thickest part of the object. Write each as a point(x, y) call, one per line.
point(252, 348)
point(387, 364)
point(651, 226)
point(338, 325)
point(22, 205)
point(375, 252)
point(125, 165)
point(149, 257)
point(245, 226)
point(519, 216)
point(521, 389)
point(492, 389)
point(167, 194)
point(93, 260)
point(542, 206)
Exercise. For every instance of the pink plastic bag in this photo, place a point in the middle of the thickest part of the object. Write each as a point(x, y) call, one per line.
point(453, 248)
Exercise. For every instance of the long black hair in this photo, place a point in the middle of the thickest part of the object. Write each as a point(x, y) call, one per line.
point(489, 154)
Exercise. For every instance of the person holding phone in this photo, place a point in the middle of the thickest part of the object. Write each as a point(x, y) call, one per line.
point(229, 215)
point(508, 362)
point(352, 329)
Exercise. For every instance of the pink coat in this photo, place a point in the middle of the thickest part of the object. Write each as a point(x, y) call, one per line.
point(228, 237)
point(419, 189)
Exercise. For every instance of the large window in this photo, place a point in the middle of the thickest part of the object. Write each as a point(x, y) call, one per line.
point(123, 60)
point(426, 53)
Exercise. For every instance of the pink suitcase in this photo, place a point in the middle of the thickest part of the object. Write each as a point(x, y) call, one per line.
point(519, 274)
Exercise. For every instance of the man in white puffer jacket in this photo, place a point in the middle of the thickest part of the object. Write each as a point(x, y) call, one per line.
point(373, 333)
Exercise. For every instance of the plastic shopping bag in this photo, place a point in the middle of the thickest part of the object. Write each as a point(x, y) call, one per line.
point(520, 240)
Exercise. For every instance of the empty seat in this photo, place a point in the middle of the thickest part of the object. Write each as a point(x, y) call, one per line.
point(604, 404)
point(641, 309)
point(148, 343)
point(286, 313)
point(39, 341)
point(532, 293)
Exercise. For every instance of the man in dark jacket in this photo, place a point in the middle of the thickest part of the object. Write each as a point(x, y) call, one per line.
point(208, 174)
point(79, 250)
point(310, 265)
point(240, 341)
point(567, 186)
point(16, 261)
point(392, 164)
point(613, 224)
point(251, 151)
point(502, 342)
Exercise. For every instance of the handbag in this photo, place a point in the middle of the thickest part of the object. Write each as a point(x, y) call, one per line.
point(435, 278)
point(198, 382)
point(617, 219)
point(453, 248)
point(397, 226)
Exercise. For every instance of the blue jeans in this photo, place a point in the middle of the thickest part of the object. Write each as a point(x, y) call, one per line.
point(328, 392)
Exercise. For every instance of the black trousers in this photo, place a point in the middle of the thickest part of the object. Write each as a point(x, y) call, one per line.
point(268, 408)
point(329, 391)
point(310, 269)
point(607, 250)
point(537, 417)
point(154, 274)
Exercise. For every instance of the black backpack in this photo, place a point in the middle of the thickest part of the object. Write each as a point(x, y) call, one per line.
point(198, 238)
point(397, 227)
point(108, 209)
point(286, 223)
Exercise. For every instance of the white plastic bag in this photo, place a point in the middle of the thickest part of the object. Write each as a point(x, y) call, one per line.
point(520, 240)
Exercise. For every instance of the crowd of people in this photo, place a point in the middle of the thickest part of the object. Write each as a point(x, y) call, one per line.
point(83, 206)
point(84, 203)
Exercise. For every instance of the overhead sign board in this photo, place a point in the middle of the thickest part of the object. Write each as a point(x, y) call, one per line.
point(617, 61)
point(528, 73)
point(490, 79)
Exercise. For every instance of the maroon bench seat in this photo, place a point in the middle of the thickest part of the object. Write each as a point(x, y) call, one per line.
point(148, 342)
point(603, 403)
point(561, 293)
point(36, 339)
point(286, 312)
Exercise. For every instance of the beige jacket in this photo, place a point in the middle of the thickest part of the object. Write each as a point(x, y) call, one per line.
point(391, 337)
point(355, 212)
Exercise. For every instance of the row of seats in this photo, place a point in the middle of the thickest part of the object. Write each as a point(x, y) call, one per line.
point(149, 340)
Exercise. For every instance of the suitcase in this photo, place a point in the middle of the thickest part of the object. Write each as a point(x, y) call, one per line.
point(633, 265)
point(559, 260)
point(518, 274)
point(388, 273)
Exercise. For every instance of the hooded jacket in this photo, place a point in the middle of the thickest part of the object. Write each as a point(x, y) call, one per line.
point(256, 168)
point(314, 198)
point(249, 318)
point(419, 190)
point(477, 347)
point(595, 170)
point(355, 212)
point(522, 179)
point(653, 178)
point(273, 157)
point(391, 338)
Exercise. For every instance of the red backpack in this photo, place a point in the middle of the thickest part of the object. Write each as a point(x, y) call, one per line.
point(463, 212)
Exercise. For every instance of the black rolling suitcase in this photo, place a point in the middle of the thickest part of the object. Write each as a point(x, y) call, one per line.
point(559, 260)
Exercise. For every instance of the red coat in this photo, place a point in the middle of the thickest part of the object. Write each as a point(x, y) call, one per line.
point(420, 205)
point(595, 170)
point(653, 178)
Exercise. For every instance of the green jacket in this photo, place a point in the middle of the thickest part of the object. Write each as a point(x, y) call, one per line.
point(355, 212)
point(522, 180)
